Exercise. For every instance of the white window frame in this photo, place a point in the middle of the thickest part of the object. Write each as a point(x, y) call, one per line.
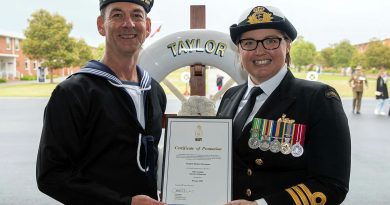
point(27, 64)
point(17, 44)
point(35, 65)
point(8, 43)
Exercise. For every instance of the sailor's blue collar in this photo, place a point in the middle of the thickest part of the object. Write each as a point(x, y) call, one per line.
point(99, 69)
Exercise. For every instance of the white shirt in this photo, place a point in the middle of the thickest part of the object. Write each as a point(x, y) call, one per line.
point(138, 99)
point(268, 87)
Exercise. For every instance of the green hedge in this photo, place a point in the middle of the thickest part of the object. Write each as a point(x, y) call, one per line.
point(28, 77)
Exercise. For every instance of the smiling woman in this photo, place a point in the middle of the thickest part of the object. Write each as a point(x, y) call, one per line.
point(286, 142)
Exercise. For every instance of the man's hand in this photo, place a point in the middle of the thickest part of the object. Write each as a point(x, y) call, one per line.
point(144, 200)
point(242, 202)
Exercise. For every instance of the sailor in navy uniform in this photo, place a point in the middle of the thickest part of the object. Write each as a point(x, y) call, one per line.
point(102, 124)
point(317, 169)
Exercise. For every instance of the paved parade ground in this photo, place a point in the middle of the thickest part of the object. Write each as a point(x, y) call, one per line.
point(21, 124)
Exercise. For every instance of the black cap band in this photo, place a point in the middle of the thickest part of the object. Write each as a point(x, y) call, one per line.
point(147, 4)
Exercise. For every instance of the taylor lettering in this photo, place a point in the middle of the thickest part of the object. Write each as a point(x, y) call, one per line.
point(195, 45)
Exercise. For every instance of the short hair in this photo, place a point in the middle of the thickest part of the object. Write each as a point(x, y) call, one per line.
point(103, 12)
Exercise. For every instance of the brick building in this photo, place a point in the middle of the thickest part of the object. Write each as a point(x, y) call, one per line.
point(363, 46)
point(15, 65)
point(387, 42)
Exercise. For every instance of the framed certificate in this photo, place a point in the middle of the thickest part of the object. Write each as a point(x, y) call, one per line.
point(197, 161)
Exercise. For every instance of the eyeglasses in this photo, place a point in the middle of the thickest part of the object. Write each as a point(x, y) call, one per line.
point(268, 43)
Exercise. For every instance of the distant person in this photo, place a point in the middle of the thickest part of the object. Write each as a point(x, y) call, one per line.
point(41, 74)
point(219, 82)
point(291, 140)
point(356, 83)
point(381, 92)
point(102, 125)
point(318, 69)
point(348, 71)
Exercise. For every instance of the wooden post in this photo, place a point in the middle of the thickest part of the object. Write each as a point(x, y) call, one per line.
point(198, 72)
point(198, 17)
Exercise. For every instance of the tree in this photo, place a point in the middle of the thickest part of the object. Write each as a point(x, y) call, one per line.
point(47, 40)
point(302, 52)
point(377, 55)
point(357, 59)
point(82, 53)
point(343, 52)
point(327, 57)
point(99, 51)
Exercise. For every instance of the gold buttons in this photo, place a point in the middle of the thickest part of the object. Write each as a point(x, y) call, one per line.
point(249, 172)
point(259, 162)
point(248, 192)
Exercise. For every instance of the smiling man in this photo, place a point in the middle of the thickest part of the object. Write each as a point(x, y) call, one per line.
point(102, 125)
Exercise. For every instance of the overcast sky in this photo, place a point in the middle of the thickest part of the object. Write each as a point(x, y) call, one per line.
point(322, 22)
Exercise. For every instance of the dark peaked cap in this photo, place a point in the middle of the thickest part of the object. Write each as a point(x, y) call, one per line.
point(147, 4)
point(262, 17)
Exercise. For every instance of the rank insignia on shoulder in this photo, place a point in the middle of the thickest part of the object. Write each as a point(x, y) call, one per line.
point(332, 93)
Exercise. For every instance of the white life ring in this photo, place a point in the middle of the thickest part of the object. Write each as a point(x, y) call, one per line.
point(185, 77)
point(185, 48)
point(312, 76)
point(195, 46)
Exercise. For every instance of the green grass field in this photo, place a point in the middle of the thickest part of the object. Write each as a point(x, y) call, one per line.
point(340, 83)
point(27, 90)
